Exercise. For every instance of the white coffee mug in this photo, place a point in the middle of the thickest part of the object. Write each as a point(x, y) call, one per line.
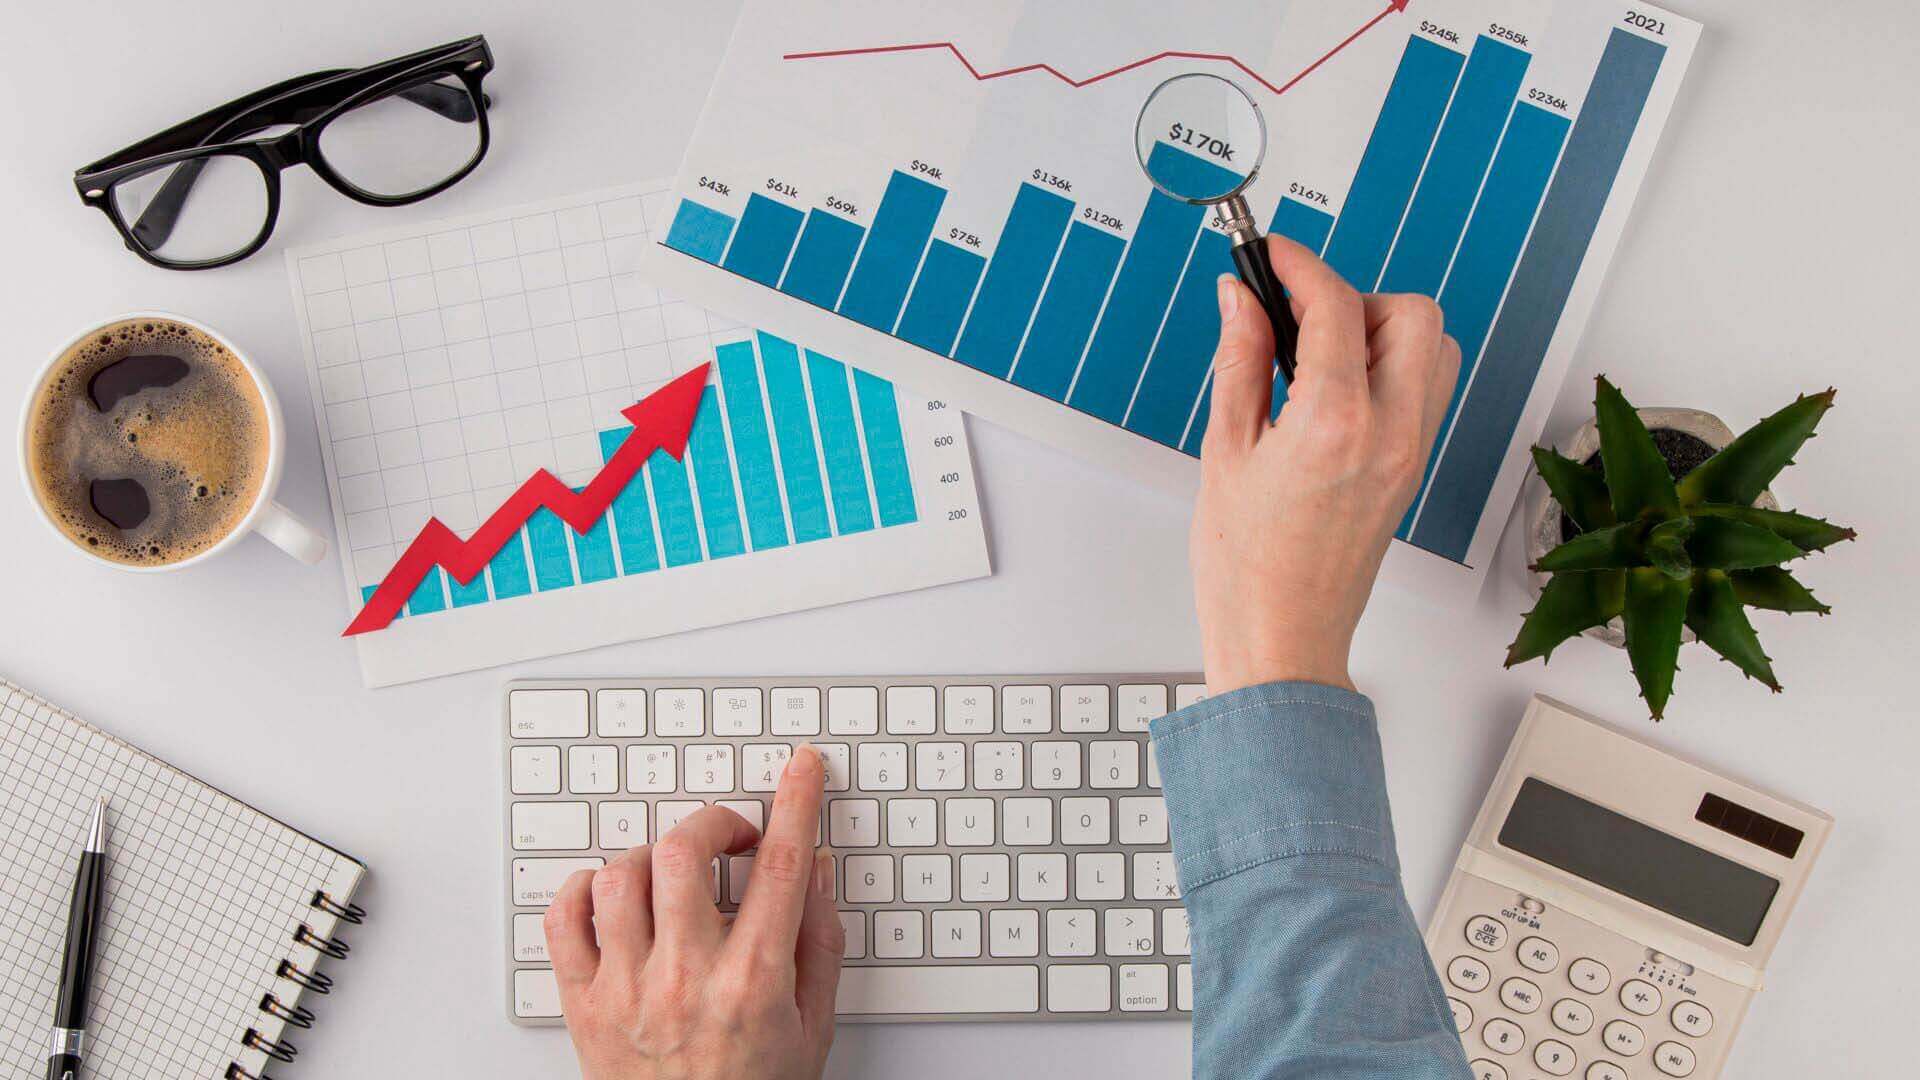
point(265, 516)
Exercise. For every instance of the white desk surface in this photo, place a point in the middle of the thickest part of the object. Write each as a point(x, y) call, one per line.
point(1766, 257)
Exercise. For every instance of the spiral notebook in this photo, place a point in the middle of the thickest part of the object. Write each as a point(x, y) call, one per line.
point(217, 916)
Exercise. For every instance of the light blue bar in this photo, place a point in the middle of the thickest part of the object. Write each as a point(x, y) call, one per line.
point(839, 443)
point(901, 228)
point(1504, 376)
point(632, 518)
point(547, 539)
point(1065, 319)
point(822, 259)
point(1012, 283)
point(673, 502)
point(473, 592)
point(940, 296)
point(593, 550)
point(430, 595)
point(760, 249)
point(1307, 226)
point(700, 231)
point(1184, 354)
point(886, 449)
point(713, 478)
point(752, 450)
point(1398, 146)
point(508, 569)
point(793, 428)
point(1453, 174)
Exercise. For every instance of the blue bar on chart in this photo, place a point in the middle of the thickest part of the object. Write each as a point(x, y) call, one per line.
point(713, 479)
point(428, 596)
point(547, 540)
point(1144, 287)
point(1391, 163)
point(1504, 376)
point(593, 550)
point(901, 227)
point(473, 592)
point(759, 250)
point(508, 569)
point(940, 297)
point(1307, 226)
point(793, 429)
point(1454, 171)
point(1184, 354)
point(700, 231)
point(840, 444)
point(1067, 310)
point(632, 517)
point(886, 448)
point(821, 259)
point(673, 502)
point(752, 449)
point(1014, 277)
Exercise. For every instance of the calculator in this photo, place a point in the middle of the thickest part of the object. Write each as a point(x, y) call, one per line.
point(1611, 914)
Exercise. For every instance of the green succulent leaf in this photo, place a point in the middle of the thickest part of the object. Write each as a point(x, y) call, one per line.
point(1570, 604)
point(1580, 491)
point(1667, 547)
point(1715, 614)
point(1805, 533)
point(1739, 473)
point(1772, 588)
point(1655, 611)
point(1612, 548)
point(1638, 480)
point(1722, 543)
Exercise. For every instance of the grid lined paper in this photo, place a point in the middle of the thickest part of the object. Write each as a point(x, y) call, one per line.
point(203, 896)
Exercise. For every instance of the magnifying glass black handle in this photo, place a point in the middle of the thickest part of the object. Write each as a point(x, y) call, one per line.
point(1256, 270)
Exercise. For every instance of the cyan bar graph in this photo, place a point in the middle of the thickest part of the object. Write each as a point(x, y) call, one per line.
point(1304, 225)
point(632, 517)
point(821, 259)
point(1398, 147)
point(1454, 172)
point(593, 551)
point(700, 231)
point(760, 249)
point(1503, 378)
point(886, 448)
point(547, 539)
point(713, 478)
point(940, 297)
point(752, 449)
point(901, 228)
point(1014, 277)
point(1184, 354)
point(1067, 310)
point(840, 444)
point(428, 596)
point(473, 592)
point(793, 428)
point(673, 502)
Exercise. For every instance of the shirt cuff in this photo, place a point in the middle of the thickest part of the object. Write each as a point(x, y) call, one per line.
point(1271, 772)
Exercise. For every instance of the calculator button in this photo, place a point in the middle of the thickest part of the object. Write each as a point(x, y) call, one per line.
point(1692, 1018)
point(1572, 1017)
point(1469, 974)
point(1605, 1070)
point(1520, 995)
point(1487, 1070)
point(1673, 1059)
point(1589, 976)
point(1555, 1057)
point(1462, 1014)
point(1640, 997)
point(1486, 933)
point(1503, 1036)
point(1623, 1038)
point(1539, 954)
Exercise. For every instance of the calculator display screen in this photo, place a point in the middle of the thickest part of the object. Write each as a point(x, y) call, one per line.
point(1638, 861)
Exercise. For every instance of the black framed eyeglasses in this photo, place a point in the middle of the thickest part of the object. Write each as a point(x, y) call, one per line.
point(206, 193)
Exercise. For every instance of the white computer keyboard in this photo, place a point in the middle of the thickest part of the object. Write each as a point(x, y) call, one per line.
point(1001, 842)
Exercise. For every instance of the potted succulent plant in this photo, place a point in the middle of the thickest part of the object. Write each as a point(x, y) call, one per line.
point(1667, 555)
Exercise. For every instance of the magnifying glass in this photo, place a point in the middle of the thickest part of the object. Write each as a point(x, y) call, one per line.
point(1200, 139)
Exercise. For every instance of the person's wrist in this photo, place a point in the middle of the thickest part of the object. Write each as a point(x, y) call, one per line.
point(1236, 667)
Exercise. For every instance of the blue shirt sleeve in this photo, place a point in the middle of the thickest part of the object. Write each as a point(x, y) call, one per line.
point(1307, 961)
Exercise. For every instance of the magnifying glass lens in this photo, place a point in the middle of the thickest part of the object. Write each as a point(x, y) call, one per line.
point(1200, 138)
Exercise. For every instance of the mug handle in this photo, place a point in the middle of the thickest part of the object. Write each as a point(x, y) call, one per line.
point(290, 534)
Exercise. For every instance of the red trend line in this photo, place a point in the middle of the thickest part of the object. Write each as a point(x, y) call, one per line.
point(1393, 7)
point(661, 421)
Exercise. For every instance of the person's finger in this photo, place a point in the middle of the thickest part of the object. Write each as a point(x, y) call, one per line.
point(1242, 371)
point(569, 930)
point(683, 905)
point(622, 915)
point(817, 952)
point(1332, 360)
point(769, 915)
point(1403, 340)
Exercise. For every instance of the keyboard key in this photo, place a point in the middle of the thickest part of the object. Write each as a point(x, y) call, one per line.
point(1143, 988)
point(1589, 976)
point(710, 768)
point(1056, 766)
point(736, 711)
point(869, 879)
point(969, 710)
point(1026, 710)
point(1043, 877)
point(910, 710)
point(1153, 768)
point(549, 826)
point(1086, 708)
point(536, 770)
point(1026, 822)
point(547, 714)
point(912, 823)
point(853, 822)
point(1640, 997)
point(854, 923)
point(1674, 1059)
point(906, 991)
point(1075, 988)
point(1143, 820)
point(999, 766)
point(1174, 940)
point(1503, 1036)
point(535, 993)
point(536, 880)
point(739, 869)
point(956, 934)
point(837, 760)
point(1013, 932)
point(1692, 1018)
point(1099, 876)
point(899, 935)
point(622, 824)
point(1129, 931)
point(753, 810)
point(853, 710)
point(679, 713)
point(926, 879)
point(1086, 820)
point(1520, 995)
point(651, 770)
point(529, 938)
point(1554, 1057)
point(1572, 1017)
point(1154, 877)
point(883, 766)
point(1070, 932)
point(1141, 703)
point(761, 765)
point(1113, 764)
point(593, 770)
point(939, 766)
point(1183, 987)
point(1188, 693)
point(795, 710)
point(985, 879)
point(1538, 955)
point(620, 714)
point(970, 822)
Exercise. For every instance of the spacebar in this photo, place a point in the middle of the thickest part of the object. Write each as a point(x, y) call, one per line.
point(987, 988)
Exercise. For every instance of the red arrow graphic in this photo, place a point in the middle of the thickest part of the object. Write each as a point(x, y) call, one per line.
point(1393, 7)
point(661, 421)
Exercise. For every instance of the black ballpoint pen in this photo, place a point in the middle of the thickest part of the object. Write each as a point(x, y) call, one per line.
point(76, 966)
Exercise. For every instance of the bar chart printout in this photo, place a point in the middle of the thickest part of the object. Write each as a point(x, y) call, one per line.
point(1481, 154)
point(450, 362)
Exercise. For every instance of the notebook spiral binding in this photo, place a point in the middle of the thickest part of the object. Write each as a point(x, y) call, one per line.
point(297, 1015)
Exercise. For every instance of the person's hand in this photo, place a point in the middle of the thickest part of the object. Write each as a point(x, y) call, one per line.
point(655, 985)
point(1294, 517)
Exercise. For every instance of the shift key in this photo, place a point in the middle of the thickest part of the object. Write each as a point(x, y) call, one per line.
point(536, 880)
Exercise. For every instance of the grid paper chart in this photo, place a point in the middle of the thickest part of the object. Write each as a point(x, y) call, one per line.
point(203, 897)
point(451, 361)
